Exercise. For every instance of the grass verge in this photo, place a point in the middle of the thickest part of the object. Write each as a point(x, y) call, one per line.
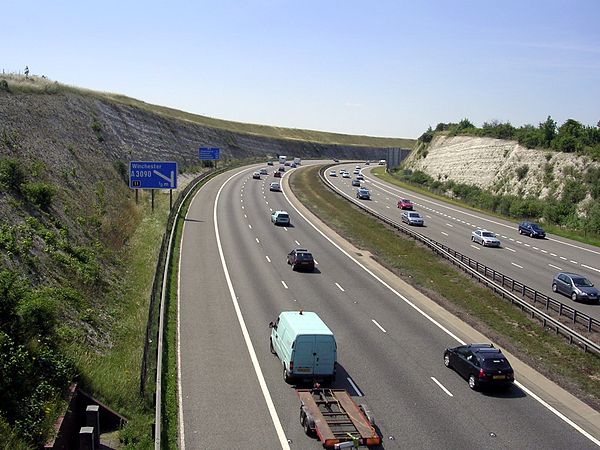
point(380, 173)
point(114, 376)
point(569, 367)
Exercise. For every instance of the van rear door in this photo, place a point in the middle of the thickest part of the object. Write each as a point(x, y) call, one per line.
point(325, 354)
point(304, 355)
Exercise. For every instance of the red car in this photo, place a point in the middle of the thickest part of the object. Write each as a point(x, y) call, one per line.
point(277, 174)
point(404, 203)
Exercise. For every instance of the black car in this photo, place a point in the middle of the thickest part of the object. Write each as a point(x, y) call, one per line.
point(482, 365)
point(578, 287)
point(301, 259)
point(531, 230)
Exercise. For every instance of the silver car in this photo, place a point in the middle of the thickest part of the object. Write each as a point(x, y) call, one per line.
point(578, 287)
point(485, 238)
point(412, 218)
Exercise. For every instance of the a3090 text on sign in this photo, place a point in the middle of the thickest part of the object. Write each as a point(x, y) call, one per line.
point(152, 175)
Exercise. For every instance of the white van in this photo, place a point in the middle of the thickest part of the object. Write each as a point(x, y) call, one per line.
point(305, 346)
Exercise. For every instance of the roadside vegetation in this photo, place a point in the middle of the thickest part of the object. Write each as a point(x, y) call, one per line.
point(74, 289)
point(570, 137)
point(34, 84)
point(576, 371)
point(559, 215)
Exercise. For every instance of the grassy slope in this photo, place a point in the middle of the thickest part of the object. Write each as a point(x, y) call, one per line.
point(39, 85)
point(578, 372)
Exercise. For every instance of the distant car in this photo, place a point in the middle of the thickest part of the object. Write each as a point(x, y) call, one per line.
point(357, 167)
point(485, 238)
point(356, 172)
point(274, 186)
point(412, 218)
point(277, 174)
point(356, 182)
point(256, 175)
point(346, 175)
point(482, 365)
point(363, 194)
point(360, 177)
point(301, 259)
point(287, 163)
point(336, 160)
point(382, 162)
point(281, 168)
point(332, 173)
point(269, 163)
point(405, 203)
point(280, 218)
point(531, 230)
point(263, 171)
point(293, 165)
point(578, 287)
point(367, 163)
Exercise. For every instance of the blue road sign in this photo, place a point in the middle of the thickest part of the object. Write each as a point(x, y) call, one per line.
point(209, 153)
point(152, 175)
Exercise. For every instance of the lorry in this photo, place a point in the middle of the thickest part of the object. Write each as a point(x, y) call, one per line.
point(305, 346)
point(282, 159)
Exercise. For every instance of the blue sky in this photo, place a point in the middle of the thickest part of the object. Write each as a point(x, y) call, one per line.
point(381, 68)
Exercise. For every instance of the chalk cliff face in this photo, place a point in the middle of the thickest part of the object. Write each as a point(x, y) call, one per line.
point(501, 166)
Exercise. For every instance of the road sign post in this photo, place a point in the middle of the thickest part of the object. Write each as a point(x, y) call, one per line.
point(209, 154)
point(152, 175)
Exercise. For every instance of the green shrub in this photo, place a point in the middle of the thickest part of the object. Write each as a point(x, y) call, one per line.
point(39, 194)
point(38, 314)
point(12, 174)
point(4, 86)
point(522, 171)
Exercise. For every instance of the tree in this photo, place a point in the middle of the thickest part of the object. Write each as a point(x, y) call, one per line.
point(548, 129)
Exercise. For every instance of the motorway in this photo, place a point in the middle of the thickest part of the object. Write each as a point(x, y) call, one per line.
point(233, 280)
point(531, 261)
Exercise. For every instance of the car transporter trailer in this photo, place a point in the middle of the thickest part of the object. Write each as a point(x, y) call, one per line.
point(335, 419)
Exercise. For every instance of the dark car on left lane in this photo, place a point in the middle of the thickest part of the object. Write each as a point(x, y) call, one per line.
point(531, 230)
point(301, 259)
point(482, 365)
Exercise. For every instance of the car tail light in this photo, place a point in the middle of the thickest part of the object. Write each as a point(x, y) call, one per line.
point(291, 366)
point(481, 374)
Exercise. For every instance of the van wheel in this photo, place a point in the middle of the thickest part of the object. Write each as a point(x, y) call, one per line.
point(286, 376)
point(271, 346)
point(293, 267)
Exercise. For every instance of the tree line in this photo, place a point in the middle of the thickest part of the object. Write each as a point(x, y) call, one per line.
point(570, 137)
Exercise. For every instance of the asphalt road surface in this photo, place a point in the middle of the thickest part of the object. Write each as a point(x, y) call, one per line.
point(234, 280)
point(532, 261)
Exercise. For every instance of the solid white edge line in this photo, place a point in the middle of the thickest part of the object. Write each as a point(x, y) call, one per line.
point(179, 389)
point(378, 326)
point(261, 379)
point(442, 387)
point(558, 414)
point(355, 387)
point(439, 325)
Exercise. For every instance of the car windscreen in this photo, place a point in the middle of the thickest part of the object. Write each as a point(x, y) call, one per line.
point(582, 282)
point(414, 215)
point(536, 227)
point(488, 234)
point(495, 363)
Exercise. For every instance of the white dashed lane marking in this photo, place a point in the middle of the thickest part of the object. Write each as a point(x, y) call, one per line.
point(340, 287)
point(516, 265)
point(555, 267)
point(268, 259)
point(378, 326)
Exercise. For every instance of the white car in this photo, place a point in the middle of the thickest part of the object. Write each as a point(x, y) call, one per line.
point(256, 175)
point(485, 238)
point(360, 177)
point(274, 186)
point(332, 173)
point(356, 172)
point(345, 175)
point(280, 218)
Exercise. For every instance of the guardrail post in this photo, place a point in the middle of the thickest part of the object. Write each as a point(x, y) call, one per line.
point(534, 297)
point(92, 419)
point(86, 438)
point(560, 309)
point(574, 316)
point(589, 327)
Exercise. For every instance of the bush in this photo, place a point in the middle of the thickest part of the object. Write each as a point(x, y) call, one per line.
point(39, 194)
point(4, 86)
point(12, 174)
point(522, 171)
point(38, 314)
point(421, 178)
